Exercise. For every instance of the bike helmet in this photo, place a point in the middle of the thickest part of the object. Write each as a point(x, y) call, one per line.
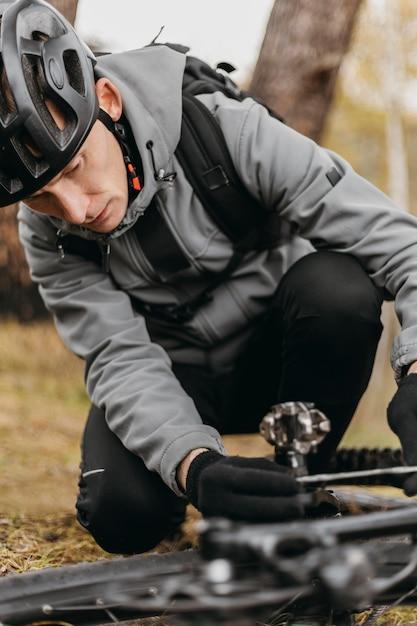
point(41, 57)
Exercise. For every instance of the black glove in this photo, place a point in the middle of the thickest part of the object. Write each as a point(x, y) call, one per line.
point(402, 418)
point(252, 490)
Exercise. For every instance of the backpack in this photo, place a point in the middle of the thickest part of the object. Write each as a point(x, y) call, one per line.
point(205, 159)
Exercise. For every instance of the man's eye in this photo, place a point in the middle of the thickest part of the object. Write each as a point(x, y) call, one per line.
point(36, 204)
point(34, 200)
point(75, 168)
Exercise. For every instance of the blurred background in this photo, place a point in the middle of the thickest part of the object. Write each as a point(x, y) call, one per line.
point(343, 72)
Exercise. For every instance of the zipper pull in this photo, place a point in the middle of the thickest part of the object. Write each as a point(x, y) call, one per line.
point(60, 244)
point(160, 175)
point(105, 255)
point(166, 177)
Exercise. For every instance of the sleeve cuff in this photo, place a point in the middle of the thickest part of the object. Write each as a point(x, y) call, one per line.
point(180, 447)
point(201, 461)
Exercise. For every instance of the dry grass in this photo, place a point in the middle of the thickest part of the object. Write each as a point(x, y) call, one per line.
point(42, 414)
point(405, 616)
point(29, 542)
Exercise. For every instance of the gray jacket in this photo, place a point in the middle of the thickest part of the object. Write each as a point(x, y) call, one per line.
point(127, 373)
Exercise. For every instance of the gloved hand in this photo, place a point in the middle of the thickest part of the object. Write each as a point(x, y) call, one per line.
point(402, 418)
point(239, 488)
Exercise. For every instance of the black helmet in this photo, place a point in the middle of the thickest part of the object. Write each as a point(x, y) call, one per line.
point(41, 57)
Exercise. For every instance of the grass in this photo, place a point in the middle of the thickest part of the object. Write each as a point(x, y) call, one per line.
point(42, 413)
point(34, 542)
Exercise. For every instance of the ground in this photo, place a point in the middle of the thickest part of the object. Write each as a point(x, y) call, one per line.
point(42, 412)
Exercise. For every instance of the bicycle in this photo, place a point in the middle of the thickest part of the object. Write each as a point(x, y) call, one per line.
point(312, 572)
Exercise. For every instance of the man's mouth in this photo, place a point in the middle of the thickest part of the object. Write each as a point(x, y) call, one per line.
point(101, 217)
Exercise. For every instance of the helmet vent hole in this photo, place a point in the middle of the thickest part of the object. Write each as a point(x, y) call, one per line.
point(37, 35)
point(29, 153)
point(74, 72)
point(38, 88)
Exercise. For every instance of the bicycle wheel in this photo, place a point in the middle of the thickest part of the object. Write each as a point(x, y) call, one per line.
point(131, 588)
point(77, 593)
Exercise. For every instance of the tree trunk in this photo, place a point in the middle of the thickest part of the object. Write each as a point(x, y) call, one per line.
point(303, 48)
point(18, 296)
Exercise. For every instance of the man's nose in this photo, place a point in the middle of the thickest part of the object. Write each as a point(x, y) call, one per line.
point(72, 202)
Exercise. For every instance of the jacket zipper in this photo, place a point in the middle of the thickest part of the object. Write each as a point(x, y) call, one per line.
point(139, 260)
point(105, 249)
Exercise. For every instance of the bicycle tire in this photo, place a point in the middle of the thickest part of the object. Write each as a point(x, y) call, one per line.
point(360, 459)
point(24, 597)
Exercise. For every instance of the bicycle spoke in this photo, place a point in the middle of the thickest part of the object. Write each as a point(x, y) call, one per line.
point(109, 614)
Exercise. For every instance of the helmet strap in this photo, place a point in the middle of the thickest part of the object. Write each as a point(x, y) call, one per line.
point(118, 129)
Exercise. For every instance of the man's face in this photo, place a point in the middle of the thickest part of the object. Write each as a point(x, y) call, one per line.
point(92, 190)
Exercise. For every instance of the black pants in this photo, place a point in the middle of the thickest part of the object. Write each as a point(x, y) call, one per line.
point(317, 343)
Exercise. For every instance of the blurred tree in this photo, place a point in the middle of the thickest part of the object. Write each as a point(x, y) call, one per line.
point(67, 8)
point(374, 125)
point(394, 87)
point(382, 73)
point(18, 296)
point(303, 47)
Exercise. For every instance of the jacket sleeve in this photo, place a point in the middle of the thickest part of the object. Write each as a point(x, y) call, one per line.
point(328, 203)
point(126, 374)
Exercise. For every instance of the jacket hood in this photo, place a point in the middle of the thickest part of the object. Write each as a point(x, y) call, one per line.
point(150, 81)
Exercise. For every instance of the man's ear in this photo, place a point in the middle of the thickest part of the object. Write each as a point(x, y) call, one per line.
point(109, 98)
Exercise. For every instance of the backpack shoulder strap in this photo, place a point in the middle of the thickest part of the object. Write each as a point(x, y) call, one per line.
point(206, 161)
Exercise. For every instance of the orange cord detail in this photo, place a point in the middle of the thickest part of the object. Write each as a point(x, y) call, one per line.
point(133, 177)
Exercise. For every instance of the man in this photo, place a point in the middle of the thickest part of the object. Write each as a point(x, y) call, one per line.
point(90, 148)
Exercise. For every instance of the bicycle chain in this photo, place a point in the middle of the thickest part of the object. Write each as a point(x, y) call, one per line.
point(362, 459)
